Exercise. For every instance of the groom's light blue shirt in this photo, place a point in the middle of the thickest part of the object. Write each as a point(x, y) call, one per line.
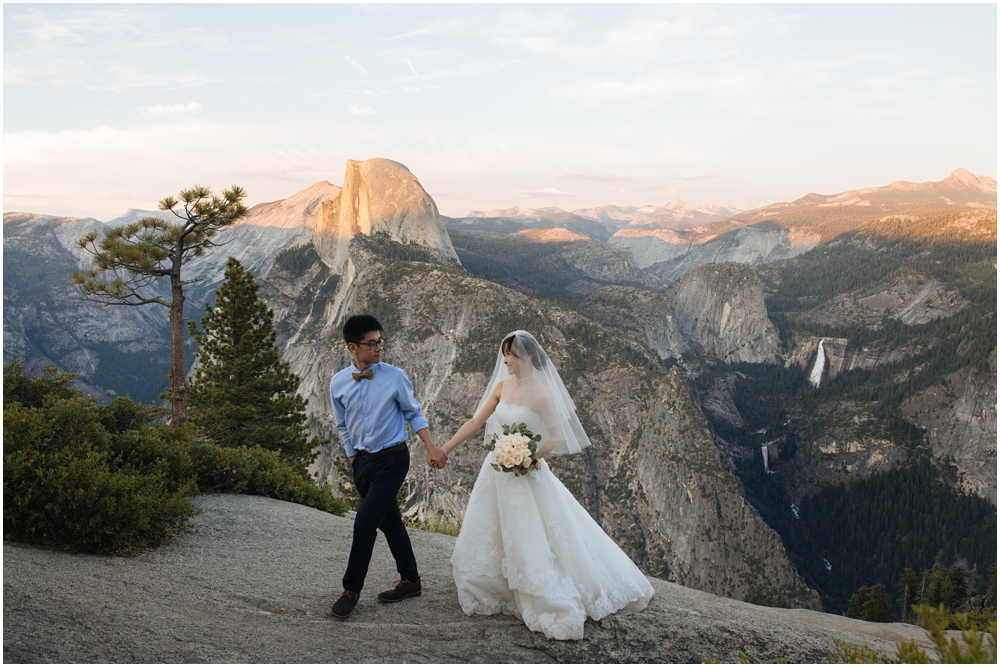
point(370, 413)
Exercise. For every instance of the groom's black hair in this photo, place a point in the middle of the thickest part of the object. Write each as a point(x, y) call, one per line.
point(357, 326)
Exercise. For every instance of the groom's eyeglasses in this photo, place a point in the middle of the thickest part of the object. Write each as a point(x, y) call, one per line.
point(374, 344)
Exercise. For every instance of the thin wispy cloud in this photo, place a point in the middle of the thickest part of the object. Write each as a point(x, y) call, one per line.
point(642, 39)
point(412, 68)
point(72, 50)
point(901, 79)
point(355, 63)
point(161, 110)
point(592, 176)
point(358, 110)
point(412, 33)
point(546, 192)
point(695, 177)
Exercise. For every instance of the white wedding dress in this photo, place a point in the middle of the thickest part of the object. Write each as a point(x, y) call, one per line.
point(529, 549)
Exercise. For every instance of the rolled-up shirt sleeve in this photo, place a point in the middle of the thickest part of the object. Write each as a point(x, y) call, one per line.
point(339, 414)
point(408, 404)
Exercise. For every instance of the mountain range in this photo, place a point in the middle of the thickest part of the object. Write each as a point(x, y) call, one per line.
point(716, 464)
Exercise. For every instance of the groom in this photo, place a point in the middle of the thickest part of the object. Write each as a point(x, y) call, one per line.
point(370, 401)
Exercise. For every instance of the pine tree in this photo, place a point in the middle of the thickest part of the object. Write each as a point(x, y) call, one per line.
point(242, 394)
point(909, 591)
point(856, 605)
point(130, 259)
point(876, 607)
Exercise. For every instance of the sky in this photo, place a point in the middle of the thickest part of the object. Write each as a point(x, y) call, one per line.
point(108, 107)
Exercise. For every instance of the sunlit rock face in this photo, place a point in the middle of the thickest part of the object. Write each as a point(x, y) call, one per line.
point(379, 195)
point(720, 309)
point(960, 415)
point(257, 239)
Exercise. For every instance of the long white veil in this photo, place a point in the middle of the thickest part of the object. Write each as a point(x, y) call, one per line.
point(541, 390)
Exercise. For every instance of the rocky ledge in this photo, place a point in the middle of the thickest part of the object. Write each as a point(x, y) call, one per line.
point(252, 581)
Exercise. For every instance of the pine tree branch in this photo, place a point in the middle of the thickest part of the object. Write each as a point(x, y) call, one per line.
point(126, 301)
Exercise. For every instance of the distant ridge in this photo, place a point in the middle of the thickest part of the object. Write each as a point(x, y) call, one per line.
point(829, 215)
point(675, 215)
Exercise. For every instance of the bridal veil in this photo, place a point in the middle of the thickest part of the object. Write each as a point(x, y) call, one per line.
point(543, 392)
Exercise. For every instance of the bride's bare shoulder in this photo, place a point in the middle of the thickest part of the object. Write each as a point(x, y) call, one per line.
point(535, 390)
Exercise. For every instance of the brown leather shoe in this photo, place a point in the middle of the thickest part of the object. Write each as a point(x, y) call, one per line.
point(345, 604)
point(404, 589)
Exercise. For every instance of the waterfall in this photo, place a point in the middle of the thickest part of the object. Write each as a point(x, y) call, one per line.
point(763, 450)
point(817, 372)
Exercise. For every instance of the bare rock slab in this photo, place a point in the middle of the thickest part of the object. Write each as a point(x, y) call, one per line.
point(254, 578)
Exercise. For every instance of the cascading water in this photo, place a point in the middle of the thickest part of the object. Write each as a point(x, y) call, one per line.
point(817, 372)
point(763, 450)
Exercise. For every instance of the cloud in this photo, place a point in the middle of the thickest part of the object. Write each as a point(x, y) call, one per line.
point(412, 68)
point(170, 109)
point(725, 81)
point(360, 110)
point(354, 62)
point(412, 33)
point(899, 80)
point(592, 176)
point(644, 38)
point(72, 49)
point(694, 177)
point(544, 192)
point(468, 69)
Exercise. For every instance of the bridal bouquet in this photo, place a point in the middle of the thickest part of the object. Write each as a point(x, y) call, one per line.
point(515, 449)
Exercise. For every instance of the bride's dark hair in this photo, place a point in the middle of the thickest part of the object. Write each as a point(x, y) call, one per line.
point(526, 344)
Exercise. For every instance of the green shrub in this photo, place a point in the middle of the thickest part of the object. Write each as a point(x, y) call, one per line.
point(974, 645)
point(257, 471)
point(83, 477)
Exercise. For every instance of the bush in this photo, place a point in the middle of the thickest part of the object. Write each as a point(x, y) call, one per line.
point(258, 471)
point(101, 479)
point(975, 645)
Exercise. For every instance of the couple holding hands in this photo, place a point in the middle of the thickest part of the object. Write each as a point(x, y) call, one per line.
point(526, 547)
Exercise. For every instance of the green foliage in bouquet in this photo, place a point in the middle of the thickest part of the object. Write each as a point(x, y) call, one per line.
point(84, 477)
point(257, 471)
point(532, 445)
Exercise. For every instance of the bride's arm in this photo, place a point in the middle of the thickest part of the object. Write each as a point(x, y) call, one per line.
point(470, 427)
point(546, 411)
point(555, 437)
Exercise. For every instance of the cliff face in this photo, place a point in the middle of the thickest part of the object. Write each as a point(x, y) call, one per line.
point(696, 527)
point(841, 357)
point(720, 309)
point(380, 195)
point(960, 416)
point(669, 254)
point(842, 451)
point(606, 263)
point(646, 316)
point(257, 239)
point(444, 327)
point(715, 310)
point(762, 242)
point(46, 321)
point(911, 299)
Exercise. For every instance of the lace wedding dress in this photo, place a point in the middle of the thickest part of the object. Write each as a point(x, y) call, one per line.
point(529, 549)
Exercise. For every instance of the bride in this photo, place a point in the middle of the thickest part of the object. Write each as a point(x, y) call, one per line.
point(527, 547)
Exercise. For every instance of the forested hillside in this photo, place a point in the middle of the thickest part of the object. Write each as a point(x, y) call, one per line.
point(890, 502)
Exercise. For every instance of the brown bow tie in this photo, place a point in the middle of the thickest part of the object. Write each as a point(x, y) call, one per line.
point(357, 376)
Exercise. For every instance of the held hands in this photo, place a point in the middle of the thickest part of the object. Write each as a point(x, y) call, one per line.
point(436, 457)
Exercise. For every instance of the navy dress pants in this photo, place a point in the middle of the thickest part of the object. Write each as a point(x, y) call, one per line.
point(378, 483)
